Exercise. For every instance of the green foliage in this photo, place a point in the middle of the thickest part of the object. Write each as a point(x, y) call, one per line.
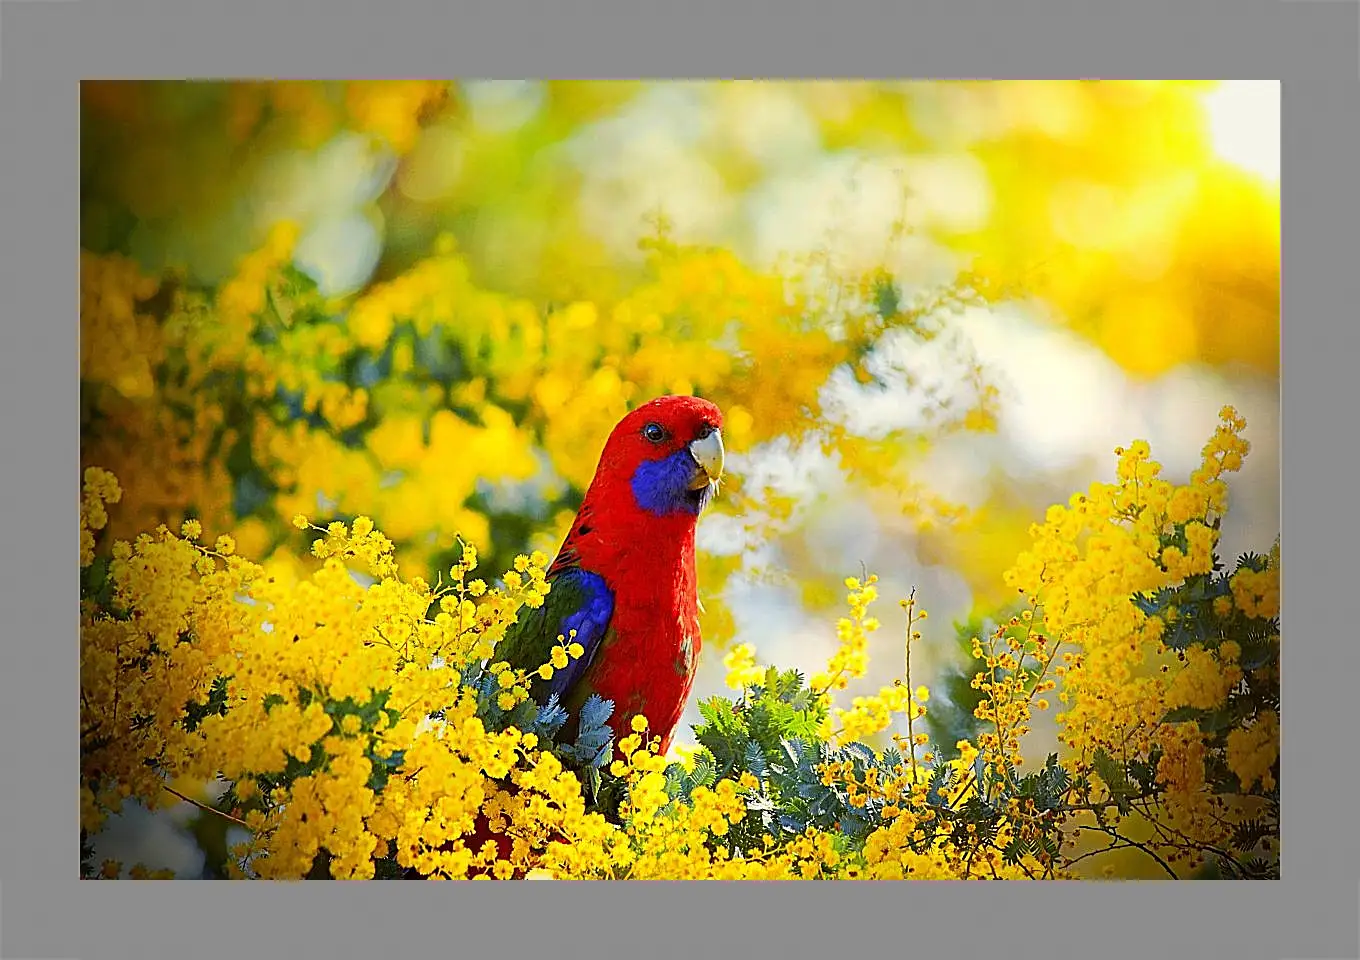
point(952, 714)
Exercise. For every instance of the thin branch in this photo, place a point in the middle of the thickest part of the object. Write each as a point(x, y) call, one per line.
point(1114, 845)
point(1110, 831)
point(205, 807)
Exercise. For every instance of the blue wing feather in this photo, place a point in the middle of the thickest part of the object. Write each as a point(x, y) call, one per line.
point(590, 620)
point(579, 600)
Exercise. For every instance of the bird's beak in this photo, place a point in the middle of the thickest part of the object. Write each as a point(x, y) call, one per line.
point(709, 455)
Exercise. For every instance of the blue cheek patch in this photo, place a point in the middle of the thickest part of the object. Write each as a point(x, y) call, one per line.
point(590, 621)
point(662, 486)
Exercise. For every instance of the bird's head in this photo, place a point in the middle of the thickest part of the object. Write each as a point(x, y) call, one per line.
point(670, 453)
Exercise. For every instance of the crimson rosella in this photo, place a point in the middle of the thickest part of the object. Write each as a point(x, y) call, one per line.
point(624, 578)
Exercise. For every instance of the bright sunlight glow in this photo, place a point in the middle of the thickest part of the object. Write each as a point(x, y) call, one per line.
point(1244, 125)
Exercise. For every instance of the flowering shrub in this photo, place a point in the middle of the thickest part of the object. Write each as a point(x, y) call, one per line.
point(442, 409)
point(291, 591)
point(363, 724)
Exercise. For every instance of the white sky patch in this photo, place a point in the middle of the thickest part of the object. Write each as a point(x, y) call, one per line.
point(720, 534)
point(330, 193)
point(958, 467)
point(1244, 125)
point(155, 840)
point(844, 202)
point(800, 471)
point(684, 109)
point(769, 124)
point(920, 267)
point(1061, 397)
point(682, 185)
point(950, 114)
point(763, 610)
point(951, 189)
point(642, 161)
point(340, 252)
point(1066, 405)
point(779, 468)
point(349, 171)
point(848, 202)
point(503, 106)
point(1183, 412)
point(846, 536)
point(917, 375)
point(771, 617)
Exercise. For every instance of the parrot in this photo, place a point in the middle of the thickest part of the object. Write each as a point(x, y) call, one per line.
point(624, 582)
point(624, 576)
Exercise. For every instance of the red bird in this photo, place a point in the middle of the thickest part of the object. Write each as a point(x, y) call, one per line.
point(624, 578)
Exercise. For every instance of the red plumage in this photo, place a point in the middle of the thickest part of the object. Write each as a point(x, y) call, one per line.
point(635, 531)
point(647, 663)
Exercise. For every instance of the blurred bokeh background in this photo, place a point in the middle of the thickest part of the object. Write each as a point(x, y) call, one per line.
point(931, 309)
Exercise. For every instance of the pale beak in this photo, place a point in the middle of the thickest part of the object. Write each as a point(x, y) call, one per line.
point(709, 455)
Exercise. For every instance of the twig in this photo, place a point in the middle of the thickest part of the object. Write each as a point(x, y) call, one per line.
point(207, 808)
point(1110, 832)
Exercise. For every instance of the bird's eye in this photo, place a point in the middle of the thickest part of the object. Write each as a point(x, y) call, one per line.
point(654, 432)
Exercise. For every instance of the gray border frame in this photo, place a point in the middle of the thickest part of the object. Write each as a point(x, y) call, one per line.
point(47, 47)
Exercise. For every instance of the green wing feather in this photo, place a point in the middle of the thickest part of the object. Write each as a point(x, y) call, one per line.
point(577, 600)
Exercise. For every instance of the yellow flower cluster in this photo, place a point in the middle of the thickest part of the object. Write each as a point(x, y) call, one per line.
point(1206, 679)
point(393, 109)
point(898, 850)
point(325, 668)
point(1257, 594)
point(100, 488)
point(1090, 557)
point(1253, 751)
point(348, 690)
point(675, 841)
point(113, 869)
point(187, 390)
point(742, 670)
point(888, 858)
point(851, 657)
point(562, 654)
point(154, 436)
point(871, 714)
point(361, 543)
point(661, 839)
point(137, 671)
point(118, 344)
point(1016, 659)
point(345, 729)
point(167, 437)
point(1087, 561)
point(1181, 771)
